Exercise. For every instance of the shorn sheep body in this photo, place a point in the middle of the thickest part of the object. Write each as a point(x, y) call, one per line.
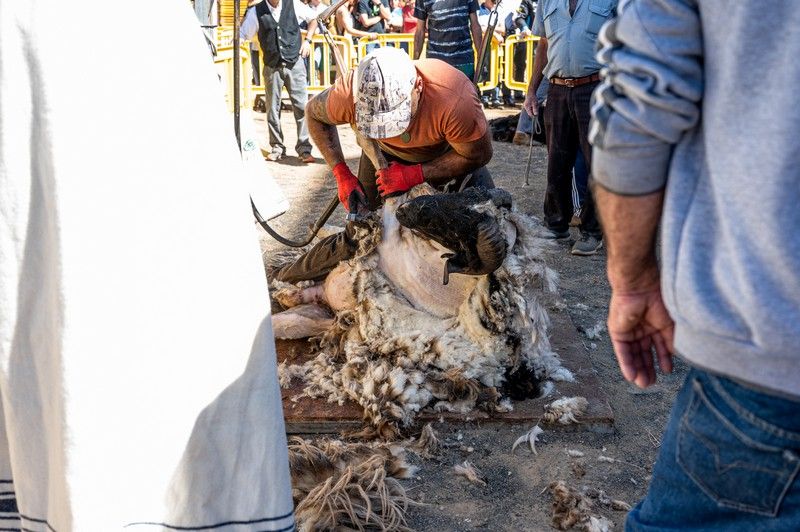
point(397, 340)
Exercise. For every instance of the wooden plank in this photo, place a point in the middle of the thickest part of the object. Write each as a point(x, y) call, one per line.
point(316, 416)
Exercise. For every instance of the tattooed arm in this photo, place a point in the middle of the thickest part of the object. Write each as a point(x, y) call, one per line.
point(323, 130)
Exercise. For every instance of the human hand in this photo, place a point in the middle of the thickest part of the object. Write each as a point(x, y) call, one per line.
point(372, 36)
point(305, 49)
point(398, 178)
point(347, 183)
point(638, 323)
point(525, 33)
point(531, 104)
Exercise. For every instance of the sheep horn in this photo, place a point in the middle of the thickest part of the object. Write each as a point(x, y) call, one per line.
point(450, 267)
point(491, 247)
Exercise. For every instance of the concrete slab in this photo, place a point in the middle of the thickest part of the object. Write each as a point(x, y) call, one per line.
point(316, 416)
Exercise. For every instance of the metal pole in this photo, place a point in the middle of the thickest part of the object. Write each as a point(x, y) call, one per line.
point(236, 73)
point(486, 44)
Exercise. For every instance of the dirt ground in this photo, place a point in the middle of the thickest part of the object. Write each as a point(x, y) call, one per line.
point(515, 498)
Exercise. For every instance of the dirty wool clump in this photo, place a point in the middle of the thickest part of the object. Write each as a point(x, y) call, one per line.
point(470, 472)
point(565, 411)
point(348, 486)
point(408, 342)
point(574, 509)
point(427, 445)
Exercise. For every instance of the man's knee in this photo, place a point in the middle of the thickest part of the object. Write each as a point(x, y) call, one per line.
point(481, 178)
point(317, 262)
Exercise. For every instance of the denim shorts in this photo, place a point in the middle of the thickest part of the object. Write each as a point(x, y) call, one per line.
point(729, 460)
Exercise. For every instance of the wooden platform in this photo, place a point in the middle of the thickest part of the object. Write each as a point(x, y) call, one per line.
point(315, 416)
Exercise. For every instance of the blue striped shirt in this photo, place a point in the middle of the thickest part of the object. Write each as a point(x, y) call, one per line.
point(449, 37)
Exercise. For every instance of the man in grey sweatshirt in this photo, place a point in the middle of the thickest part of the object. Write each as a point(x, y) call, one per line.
point(680, 138)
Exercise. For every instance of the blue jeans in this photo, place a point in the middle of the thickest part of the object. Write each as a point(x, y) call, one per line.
point(729, 461)
point(525, 122)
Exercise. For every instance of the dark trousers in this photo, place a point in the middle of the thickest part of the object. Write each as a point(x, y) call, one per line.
point(318, 261)
point(255, 61)
point(520, 60)
point(566, 118)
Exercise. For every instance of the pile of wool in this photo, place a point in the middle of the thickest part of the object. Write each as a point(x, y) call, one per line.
point(394, 356)
point(575, 509)
point(566, 410)
point(348, 486)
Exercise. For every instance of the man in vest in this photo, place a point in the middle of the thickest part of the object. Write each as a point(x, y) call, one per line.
point(278, 27)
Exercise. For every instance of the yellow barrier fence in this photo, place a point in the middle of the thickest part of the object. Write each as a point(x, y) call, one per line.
point(224, 62)
point(492, 79)
point(404, 41)
point(322, 69)
point(510, 76)
point(321, 65)
point(223, 36)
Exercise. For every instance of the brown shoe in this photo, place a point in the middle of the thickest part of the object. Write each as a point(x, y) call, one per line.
point(522, 139)
point(307, 158)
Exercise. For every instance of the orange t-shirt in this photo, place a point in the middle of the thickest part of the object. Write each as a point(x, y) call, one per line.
point(448, 112)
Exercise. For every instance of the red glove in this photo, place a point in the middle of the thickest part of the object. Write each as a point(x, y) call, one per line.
point(398, 178)
point(346, 182)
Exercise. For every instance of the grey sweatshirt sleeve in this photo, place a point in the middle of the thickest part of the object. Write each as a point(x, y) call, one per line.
point(649, 97)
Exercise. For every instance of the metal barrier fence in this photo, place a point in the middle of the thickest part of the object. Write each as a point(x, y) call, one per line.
point(322, 70)
point(223, 36)
point(494, 62)
point(321, 66)
point(224, 64)
point(511, 58)
point(404, 41)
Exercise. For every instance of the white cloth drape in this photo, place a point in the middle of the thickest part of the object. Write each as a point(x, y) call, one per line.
point(131, 286)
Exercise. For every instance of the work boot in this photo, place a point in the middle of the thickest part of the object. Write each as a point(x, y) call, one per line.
point(587, 245)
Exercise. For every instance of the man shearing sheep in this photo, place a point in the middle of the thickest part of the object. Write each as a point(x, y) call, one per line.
point(428, 123)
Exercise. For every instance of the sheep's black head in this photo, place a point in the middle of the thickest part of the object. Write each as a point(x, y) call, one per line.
point(474, 237)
